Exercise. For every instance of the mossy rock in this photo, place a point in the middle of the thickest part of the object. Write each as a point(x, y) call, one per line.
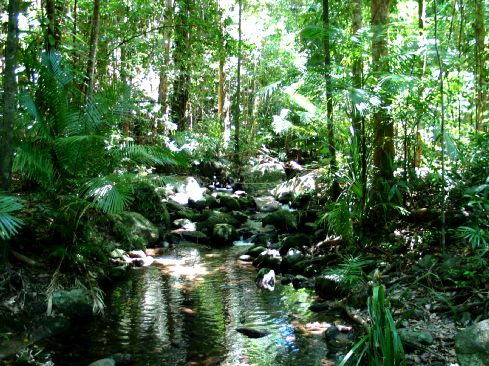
point(213, 218)
point(282, 220)
point(223, 235)
point(135, 231)
point(148, 203)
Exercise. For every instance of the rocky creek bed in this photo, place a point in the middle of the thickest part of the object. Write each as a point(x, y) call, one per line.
point(195, 298)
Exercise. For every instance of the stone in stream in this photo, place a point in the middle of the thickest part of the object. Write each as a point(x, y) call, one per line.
point(265, 279)
point(253, 333)
point(330, 286)
point(472, 345)
point(296, 241)
point(282, 220)
point(223, 234)
point(118, 359)
point(103, 362)
point(269, 258)
point(73, 303)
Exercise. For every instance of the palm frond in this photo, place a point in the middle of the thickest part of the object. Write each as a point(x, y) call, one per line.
point(350, 272)
point(53, 61)
point(79, 153)
point(9, 224)
point(37, 126)
point(109, 194)
point(145, 154)
point(35, 163)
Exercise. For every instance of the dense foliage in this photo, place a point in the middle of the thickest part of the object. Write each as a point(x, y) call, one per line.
point(102, 100)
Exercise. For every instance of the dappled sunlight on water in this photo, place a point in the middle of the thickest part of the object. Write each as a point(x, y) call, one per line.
point(185, 311)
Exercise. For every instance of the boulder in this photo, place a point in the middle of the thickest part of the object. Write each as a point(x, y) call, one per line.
point(148, 203)
point(265, 279)
point(254, 232)
point(192, 189)
point(246, 258)
point(300, 281)
point(282, 220)
point(195, 236)
point(293, 188)
point(214, 217)
point(223, 234)
point(330, 287)
point(292, 257)
point(228, 203)
point(297, 241)
point(265, 174)
point(246, 202)
point(239, 216)
point(118, 359)
point(266, 204)
point(103, 362)
point(185, 224)
point(136, 254)
point(49, 327)
point(253, 333)
point(266, 236)
point(73, 303)
point(135, 230)
point(472, 345)
point(415, 338)
point(255, 251)
point(178, 211)
point(270, 258)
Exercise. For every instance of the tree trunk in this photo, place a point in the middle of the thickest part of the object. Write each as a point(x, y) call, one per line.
point(54, 9)
point(418, 150)
point(480, 61)
point(163, 86)
point(92, 57)
point(335, 189)
point(221, 96)
point(9, 96)
point(181, 60)
point(359, 144)
point(237, 107)
point(382, 123)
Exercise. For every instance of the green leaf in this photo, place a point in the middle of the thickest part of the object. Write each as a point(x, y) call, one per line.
point(8, 223)
point(109, 194)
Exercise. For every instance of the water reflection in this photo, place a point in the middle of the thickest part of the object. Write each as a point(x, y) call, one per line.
point(185, 311)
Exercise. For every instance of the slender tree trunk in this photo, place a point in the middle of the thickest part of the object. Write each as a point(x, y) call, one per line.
point(359, 144)
point(54, 11)
point(75, 32)
point(221, 95)
point(442, 128)
point(480, 61)
point(181, 59)
point(9, 97)
point(418, 151)
point(163, 86)
point(335, 189)
point(92, 57)
point(382, 123)
point(237, 106)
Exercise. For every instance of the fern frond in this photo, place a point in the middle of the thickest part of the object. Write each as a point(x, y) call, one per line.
point(109, 194)
point(9, 224)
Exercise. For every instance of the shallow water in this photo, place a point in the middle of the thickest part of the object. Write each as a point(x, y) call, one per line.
point(185, 311)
